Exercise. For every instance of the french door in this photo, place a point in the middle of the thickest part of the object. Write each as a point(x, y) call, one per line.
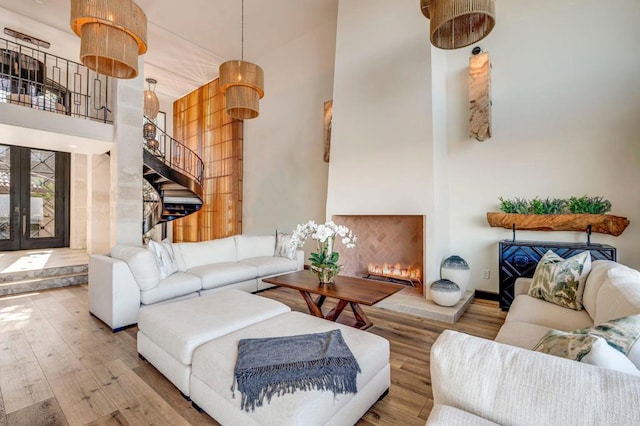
point(34, 198)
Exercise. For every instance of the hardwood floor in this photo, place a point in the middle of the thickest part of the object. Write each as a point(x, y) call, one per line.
point(59, 365)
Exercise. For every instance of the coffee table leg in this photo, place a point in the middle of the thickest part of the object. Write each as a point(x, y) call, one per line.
point(362, 321)
point(319, 301)
point(313, 308)
point(335, 312)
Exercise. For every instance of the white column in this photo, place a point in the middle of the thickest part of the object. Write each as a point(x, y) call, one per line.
point(78, 202)
point(126, 161)
point(98, 204)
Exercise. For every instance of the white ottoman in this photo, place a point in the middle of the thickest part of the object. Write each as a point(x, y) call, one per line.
point(169, 333)
point(214, 363)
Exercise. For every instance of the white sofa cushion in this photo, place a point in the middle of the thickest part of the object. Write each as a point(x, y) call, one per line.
point(254, 246)
point(142, 264)
point(595, 279)
point(521, 334)
point(219, 274)
point(619, 295)
point(180, 327)
point(175, 285)
point(192, 255)
point(445, 415)
point(536, 311)
point(269, 265)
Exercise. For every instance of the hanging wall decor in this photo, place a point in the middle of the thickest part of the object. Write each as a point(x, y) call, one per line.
point(480, 96)
point(328, 117)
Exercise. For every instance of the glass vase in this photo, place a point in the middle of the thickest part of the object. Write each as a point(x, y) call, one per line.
point(326, 275)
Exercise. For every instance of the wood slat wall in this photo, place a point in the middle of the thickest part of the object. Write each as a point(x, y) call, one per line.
point(201, 123)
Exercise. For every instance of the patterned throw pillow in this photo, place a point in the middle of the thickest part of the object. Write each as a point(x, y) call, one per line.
point(284, 248)
point(622, 334)
point(165, 259)
point(561, 281)
point(585, 348)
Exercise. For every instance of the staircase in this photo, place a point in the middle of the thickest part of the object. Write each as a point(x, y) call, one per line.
point(173, 175)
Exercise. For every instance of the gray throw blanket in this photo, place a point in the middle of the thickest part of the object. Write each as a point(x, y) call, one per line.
point(280, 365)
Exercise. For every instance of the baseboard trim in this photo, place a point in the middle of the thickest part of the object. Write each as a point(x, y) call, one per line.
point(487, 295)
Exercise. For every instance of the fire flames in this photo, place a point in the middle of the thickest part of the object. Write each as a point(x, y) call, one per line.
point(396, 270)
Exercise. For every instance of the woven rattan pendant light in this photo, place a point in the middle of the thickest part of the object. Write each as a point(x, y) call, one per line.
point(243, 85)
point(112, 35)
point(151, 102)
point(459, 23)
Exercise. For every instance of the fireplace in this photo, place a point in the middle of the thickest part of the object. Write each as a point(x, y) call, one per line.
point(389, 247)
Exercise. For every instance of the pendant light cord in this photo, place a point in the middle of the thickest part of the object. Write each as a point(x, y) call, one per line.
point(242, 34)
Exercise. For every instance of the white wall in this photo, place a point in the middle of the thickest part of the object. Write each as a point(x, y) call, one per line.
point(285, 177)
point(382, 152)
point(566, 103)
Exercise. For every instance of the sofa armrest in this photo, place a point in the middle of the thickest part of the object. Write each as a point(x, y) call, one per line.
point(114, 295)
point(521, 286)
point(510, 385)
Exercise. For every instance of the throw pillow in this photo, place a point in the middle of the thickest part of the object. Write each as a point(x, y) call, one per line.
point(585, 348)
point(622, 334)
point(561, 281)
point(164, 256)
point(284, 248)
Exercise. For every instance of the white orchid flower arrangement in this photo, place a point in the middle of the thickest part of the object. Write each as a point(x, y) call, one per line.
point(325, 234)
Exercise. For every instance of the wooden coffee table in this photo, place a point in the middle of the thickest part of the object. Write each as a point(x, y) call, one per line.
point(348, 290)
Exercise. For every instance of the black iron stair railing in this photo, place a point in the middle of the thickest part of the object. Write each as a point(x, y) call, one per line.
point(174, 174)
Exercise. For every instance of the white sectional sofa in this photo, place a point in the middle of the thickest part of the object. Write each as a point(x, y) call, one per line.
point(477, 381)
point(130, 279)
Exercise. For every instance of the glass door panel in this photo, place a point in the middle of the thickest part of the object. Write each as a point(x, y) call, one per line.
point(42, 201)
point(5, 192)
point(34, 197)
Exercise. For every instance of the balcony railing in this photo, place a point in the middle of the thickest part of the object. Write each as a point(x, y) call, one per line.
point(37, 79)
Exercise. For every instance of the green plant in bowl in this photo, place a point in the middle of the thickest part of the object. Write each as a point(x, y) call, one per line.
point(546, 206)
point(516, 205)
point(590, 205)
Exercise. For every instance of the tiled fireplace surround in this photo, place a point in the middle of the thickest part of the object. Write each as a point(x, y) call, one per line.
point(395, 240)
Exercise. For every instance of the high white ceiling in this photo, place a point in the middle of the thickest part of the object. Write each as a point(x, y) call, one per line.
point(188, 39)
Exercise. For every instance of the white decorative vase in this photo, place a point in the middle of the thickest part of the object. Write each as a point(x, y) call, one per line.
point(445, 292)
point(456, 269)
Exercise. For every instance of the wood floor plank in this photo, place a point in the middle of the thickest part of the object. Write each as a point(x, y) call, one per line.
point(112, 419)
point(3, 414)
point(81, 398)
point(45, 412)
point(136, 400)
point(22, 381)
point(170, 393)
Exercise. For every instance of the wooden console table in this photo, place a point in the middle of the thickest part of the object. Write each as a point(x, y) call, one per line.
point(520, 258)
point(350, 291)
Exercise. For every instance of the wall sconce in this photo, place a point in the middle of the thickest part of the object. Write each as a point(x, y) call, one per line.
point(479, 95)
